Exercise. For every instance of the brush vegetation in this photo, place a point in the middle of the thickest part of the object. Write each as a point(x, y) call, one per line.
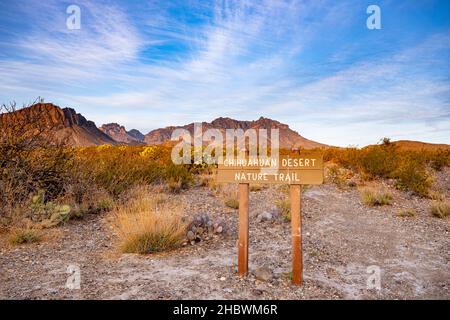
point(411, 169)
point(148, 223)
point(49, 183)
point(440, 209)
point(376, 197)
point(284, 209)
point(19, 236)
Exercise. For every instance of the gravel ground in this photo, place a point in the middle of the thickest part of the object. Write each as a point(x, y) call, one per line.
point(341, 239)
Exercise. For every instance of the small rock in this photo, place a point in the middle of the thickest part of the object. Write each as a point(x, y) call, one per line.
point(190, 235)
point(265, 216)
point(219, 229)
point(52, 291)
point(257, 292)
point(263, 274)
point(223, 278)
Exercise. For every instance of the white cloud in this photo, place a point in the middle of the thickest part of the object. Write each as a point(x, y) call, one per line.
point(244, 60)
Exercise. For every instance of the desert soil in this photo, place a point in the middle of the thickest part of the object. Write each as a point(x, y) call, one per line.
point(342, 237)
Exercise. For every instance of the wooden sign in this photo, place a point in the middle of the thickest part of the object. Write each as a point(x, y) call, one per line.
point(306, 168)
point(295, 170)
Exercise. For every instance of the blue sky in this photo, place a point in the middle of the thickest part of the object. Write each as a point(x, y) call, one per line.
point(311, 64)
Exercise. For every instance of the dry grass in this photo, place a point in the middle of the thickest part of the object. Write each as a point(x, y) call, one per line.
point(232, 203)
point(19, 236)
point(208, 180)
point(440, 209)
point(229, 194)
point(149, 223)
point(256, 187)
point(436, 195)
point(284, 208)
point(376, 197)
point(409, 212)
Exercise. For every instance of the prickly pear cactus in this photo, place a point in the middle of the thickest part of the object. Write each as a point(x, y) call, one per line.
point(48, 213)
point(60, 214)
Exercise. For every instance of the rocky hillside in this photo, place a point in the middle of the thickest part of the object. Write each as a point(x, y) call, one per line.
point(119, 134)
point(288, 137)
point(63, 124)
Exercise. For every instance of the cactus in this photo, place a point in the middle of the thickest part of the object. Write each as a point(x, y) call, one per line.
point(48, 213)
point(60, 214)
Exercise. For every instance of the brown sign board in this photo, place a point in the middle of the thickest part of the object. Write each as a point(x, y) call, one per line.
point(304, 168)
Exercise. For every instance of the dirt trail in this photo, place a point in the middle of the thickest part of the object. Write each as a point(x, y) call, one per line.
point(342, 238)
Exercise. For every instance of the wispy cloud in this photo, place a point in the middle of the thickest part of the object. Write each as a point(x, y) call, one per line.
point(307, 63)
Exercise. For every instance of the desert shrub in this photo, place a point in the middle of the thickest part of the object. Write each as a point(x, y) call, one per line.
point(385, 160)
point(178, 177)
point(30, 160)
point(147, 223)
point(114, 169)
point(409, 212)
point(335, 175)
point(376, 197)
point(440, 209)
point(284, 208)
point(118, 169)
point(439, 159)
point(412, 175)
point(232, 203)
point(26, 235)
point(380, 160)
point(348, 158)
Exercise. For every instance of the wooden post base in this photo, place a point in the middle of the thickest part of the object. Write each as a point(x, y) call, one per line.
point(296, 225)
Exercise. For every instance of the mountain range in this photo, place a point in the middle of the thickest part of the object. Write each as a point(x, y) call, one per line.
point(73, 129)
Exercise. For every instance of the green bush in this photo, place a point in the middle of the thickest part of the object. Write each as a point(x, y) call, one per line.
point(380, 160)
point(412, 175)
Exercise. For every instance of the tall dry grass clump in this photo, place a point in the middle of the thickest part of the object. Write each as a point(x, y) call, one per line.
point(440, 209)
point(148, 223)
point(376, 196)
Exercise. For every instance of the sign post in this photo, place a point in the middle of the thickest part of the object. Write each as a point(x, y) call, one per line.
point(243, 229)
point(296, 226)
point(295, 170)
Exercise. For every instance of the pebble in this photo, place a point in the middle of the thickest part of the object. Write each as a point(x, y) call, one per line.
point(263, 274)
